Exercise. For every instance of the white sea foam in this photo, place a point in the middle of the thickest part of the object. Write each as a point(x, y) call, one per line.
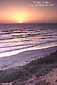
point(14, 41)
point(14, 52)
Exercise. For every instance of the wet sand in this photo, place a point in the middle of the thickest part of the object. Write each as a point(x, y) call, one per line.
point(24, 57)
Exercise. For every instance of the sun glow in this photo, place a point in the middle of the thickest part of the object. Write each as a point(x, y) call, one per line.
point(21, 17)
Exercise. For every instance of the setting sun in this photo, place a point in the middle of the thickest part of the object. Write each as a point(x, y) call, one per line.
point(20, 19)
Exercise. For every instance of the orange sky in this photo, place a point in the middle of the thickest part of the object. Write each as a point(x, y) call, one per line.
point(24, 14)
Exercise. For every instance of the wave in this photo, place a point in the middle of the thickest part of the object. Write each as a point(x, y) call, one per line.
point(14, 41)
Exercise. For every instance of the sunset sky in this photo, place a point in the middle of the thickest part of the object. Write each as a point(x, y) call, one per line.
point(28, 11)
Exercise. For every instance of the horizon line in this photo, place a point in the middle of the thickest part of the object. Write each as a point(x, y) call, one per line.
point(33, 23)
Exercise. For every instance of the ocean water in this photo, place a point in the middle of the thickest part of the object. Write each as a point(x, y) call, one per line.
point(19, 38)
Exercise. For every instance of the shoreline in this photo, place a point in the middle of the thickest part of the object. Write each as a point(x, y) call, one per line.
point(24, 58)
point(22, 74)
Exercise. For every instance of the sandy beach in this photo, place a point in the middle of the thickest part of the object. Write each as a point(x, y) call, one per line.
point(24, 57)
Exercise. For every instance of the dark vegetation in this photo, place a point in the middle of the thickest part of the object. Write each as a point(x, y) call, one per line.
point(38, 67)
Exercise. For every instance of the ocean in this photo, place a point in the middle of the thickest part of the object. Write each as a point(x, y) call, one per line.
point(16, 39)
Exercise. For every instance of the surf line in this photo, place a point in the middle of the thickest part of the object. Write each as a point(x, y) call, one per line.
point(15, 52)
